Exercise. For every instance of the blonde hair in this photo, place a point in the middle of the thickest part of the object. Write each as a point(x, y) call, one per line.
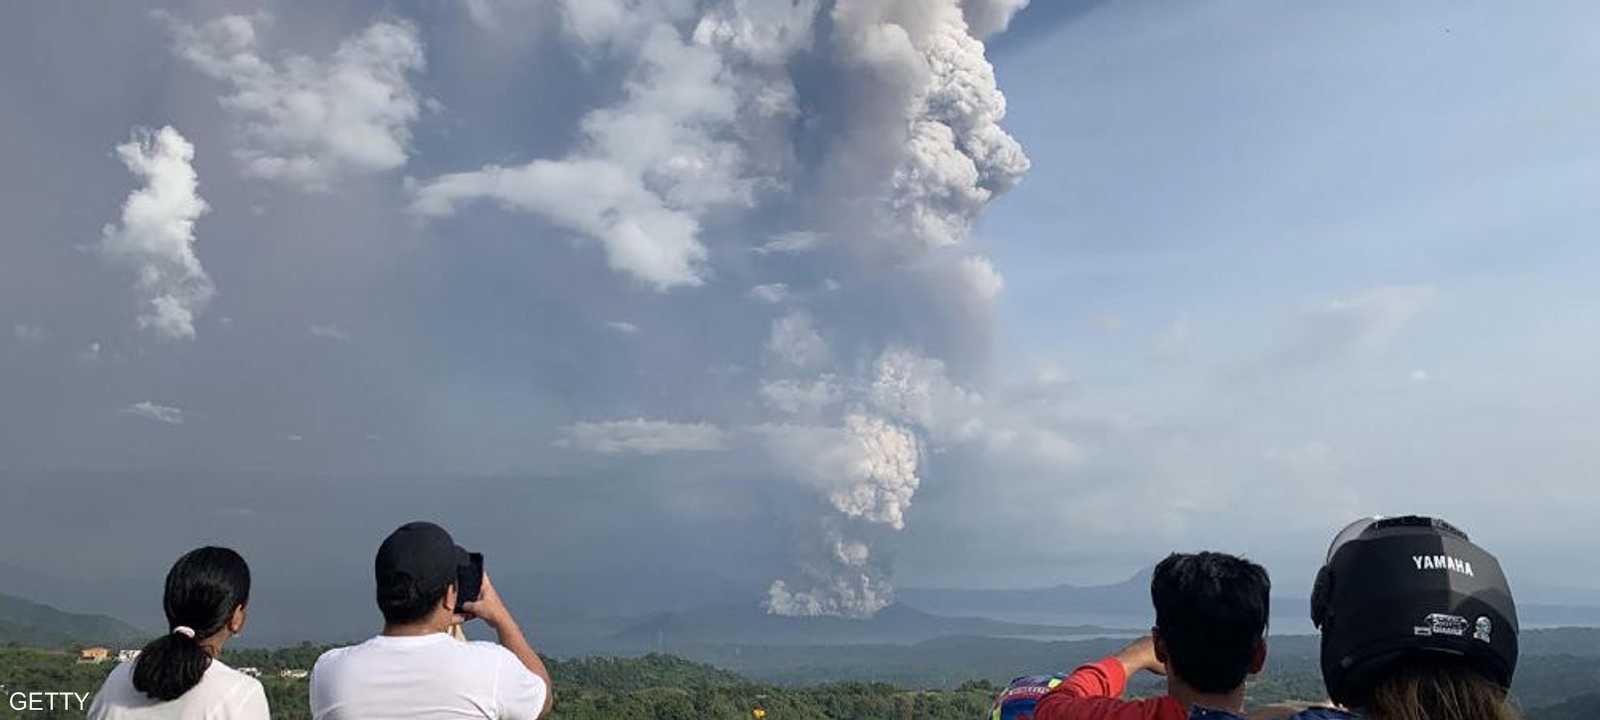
point(1436, 690)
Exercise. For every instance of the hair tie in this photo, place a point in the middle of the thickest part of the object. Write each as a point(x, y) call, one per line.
point(185, 631)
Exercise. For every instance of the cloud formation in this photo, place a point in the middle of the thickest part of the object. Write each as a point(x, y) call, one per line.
point(790, 243)
point(153, 411)
point(791, 183)
point(988, 17)
point(651, 166)
point(644, 437)
point(156, 234)
point(1360, 325)
point(887, 162)
point(795, 343)
point(306, 121)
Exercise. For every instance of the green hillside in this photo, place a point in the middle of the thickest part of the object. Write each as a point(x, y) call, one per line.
point(661, 687)
point(24, 622)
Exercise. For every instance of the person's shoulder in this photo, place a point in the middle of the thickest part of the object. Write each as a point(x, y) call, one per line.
point(231, 687)
point(120, 677)
point(122, 670)
point(332, 659)
point(225, 674)
point(489, 652)
point(334, 655)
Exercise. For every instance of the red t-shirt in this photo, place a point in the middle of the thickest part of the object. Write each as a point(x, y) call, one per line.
point(1094, 692)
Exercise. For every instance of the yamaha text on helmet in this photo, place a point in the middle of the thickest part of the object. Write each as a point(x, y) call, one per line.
point(1399, 589)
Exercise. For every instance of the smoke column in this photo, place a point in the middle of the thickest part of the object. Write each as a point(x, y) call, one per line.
point(854, 143)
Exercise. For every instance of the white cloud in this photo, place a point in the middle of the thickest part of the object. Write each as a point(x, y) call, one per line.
point(980, 277)
point(152, 411)
point(987, 17)
point(790, 243)
point(644, 437)
point(804, 398)
point(626, 328)
point(771, 294)
point(330, 332)
point(794, 342)
point(156, 236)
point(651, 166)
point(308, 121)
point(1420, 376)
point(294, 438)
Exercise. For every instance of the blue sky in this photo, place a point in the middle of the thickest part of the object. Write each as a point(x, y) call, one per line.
point(1208, 178)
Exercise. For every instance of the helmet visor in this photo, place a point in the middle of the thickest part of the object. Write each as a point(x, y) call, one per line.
point(1350, 532)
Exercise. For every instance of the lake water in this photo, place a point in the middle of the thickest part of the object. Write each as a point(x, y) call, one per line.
point(1535, 617)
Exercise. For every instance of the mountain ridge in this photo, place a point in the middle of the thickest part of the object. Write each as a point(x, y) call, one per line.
point(26, 622)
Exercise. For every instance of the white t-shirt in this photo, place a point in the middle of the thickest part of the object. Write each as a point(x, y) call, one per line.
point(424, 677)
point(223, 694)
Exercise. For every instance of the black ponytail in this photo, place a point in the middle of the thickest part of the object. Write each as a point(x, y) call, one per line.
point(203, 589)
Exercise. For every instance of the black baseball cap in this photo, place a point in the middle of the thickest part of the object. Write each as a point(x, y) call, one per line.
point(418, 557)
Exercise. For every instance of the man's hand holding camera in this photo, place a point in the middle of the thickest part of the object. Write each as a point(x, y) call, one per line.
point(488, 608)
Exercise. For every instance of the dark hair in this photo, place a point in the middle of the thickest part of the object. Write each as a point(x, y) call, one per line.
point(407, 601)
point(203, 589)
point(1211, 609)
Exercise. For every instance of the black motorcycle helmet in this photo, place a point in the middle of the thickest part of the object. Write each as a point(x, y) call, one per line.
point(1395, 589)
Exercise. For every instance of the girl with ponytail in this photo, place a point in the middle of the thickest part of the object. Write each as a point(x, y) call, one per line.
point(177, 676)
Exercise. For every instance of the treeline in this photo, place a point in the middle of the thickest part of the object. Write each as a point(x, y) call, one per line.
point(663, 687)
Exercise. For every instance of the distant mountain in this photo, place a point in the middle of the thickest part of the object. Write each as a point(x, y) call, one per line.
point(1132, 597)
point(25, 622)
point(1129, 596)
point(750, 624)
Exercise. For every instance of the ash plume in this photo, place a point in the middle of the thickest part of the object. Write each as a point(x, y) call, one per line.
point(826, 157)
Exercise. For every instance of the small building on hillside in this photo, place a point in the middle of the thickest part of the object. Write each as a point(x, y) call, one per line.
point(293, 674)
point(254, 672)
point(127, 656)
point(95, 654)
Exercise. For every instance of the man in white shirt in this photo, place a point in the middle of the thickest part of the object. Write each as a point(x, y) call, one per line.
point(415, 670)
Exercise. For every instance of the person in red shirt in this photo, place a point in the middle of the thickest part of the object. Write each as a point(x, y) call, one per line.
point(1210, 634)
